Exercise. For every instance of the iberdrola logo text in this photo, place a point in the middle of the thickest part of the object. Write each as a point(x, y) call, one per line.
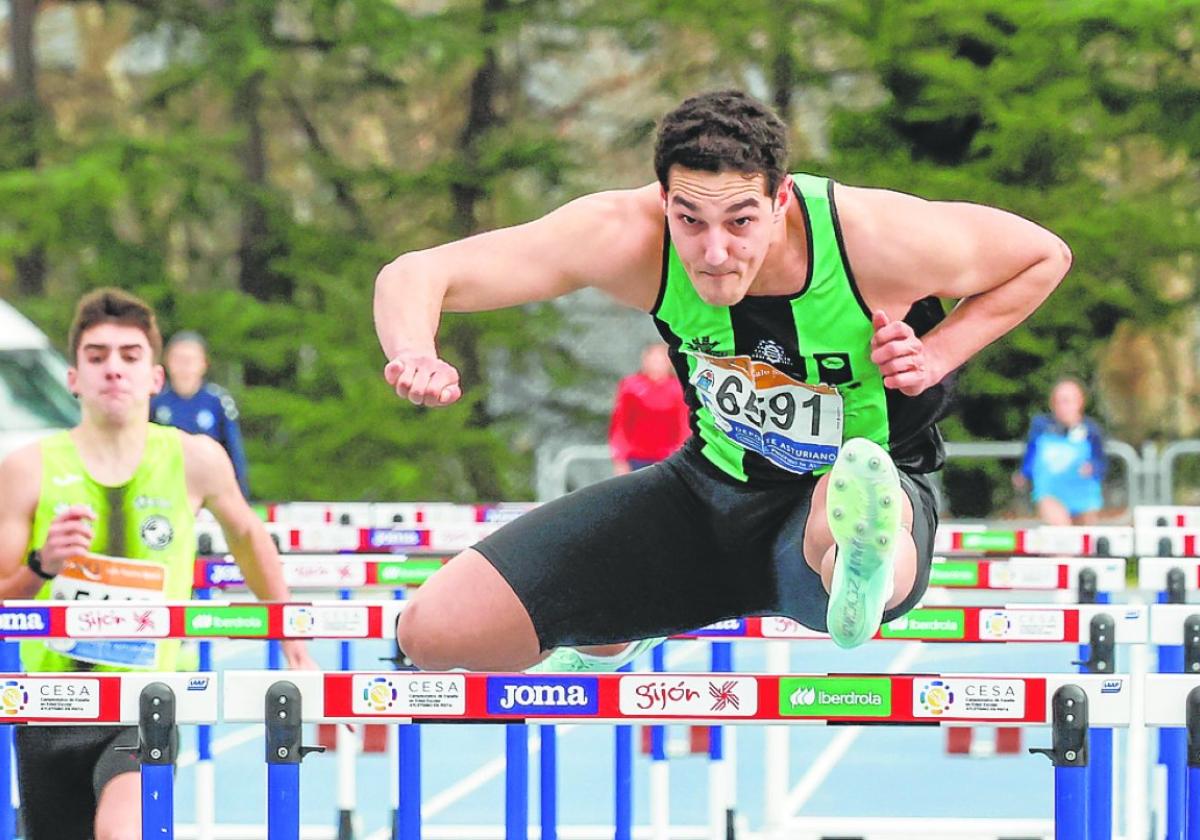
point(926, 624)
point(835, 697)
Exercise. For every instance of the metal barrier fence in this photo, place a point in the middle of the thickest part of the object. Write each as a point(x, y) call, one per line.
point(1149, 474)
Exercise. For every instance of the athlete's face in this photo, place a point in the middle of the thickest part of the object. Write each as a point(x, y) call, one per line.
point(722, 224)
point(1066, 402)
point(186, 364)
point(115, 374)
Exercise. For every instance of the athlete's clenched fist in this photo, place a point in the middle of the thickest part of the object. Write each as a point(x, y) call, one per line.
point(423, 379)
point(900, 355)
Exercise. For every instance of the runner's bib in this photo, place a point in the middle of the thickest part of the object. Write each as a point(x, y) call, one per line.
point(96, 578)
point(795, 426)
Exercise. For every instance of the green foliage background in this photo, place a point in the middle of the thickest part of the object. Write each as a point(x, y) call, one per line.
point(252, 182)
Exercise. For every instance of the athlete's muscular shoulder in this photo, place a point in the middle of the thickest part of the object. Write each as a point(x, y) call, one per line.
point(628, 245)
point(903, 248)
point(609, 240)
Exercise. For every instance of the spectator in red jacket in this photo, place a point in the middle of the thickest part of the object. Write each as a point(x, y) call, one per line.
point(650, 418)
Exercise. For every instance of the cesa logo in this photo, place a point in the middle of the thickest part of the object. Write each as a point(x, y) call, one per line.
point(995, 625)
point(14, 698)
point(990, 690)
point(66, 690)
point(543, 695)
point(300, 621)
point(936, 697)
point(325, 621)
point(380, 694)
point(442, 686)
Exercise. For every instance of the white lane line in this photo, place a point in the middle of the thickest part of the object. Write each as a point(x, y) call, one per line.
point(468, 785)
point(244, 735)
point(837, 748)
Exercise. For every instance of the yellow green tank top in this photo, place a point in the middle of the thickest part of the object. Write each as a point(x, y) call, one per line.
point(145, 546)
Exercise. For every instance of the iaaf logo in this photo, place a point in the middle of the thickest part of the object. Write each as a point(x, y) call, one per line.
point(117, 622)
point(648, 696)
point(197, 684)
point(543, 695)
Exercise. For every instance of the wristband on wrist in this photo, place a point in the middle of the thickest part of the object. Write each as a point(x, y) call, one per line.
point(34, 562)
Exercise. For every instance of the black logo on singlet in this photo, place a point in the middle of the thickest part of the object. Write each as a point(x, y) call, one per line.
point(833, 368)
point(703, 344)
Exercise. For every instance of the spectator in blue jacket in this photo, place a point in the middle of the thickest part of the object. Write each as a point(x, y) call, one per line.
point(1064, 461)
point(190, 403)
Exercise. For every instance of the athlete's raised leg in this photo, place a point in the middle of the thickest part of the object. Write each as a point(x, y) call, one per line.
point(119, 809)
point(467, 616)
point(858, 538)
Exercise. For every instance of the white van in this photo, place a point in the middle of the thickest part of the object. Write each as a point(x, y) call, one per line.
point(34, 399)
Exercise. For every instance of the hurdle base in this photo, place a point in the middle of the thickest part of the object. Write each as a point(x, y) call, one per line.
point(345, 825)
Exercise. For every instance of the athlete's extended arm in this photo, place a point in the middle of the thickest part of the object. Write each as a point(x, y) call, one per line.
point(1000, 266)
point(210, 476)
point(611, 241)
point(69, 535)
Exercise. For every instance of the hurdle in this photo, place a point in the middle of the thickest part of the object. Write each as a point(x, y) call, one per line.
point(1018, 572)
point(377, 620)
point(363, 529)
point(956, 538)
point(1167, 551)
point(153, 702)
point(1068, 702)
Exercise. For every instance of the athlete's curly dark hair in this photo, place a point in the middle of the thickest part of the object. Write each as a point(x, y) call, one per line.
point(723, 131)
point(113, 306)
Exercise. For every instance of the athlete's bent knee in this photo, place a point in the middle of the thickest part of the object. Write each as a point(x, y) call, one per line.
point(115, 833)
point(423, 639)
point(118, 813)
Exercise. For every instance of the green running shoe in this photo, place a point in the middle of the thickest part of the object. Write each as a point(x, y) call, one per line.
point(566, 659)
point(863, 506)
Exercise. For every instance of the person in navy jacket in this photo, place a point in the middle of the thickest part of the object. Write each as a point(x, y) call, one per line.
point(190, 403)
point(1064, 461)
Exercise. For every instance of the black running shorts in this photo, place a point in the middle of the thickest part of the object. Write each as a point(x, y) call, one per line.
point(61, 771)
point(674, 547)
